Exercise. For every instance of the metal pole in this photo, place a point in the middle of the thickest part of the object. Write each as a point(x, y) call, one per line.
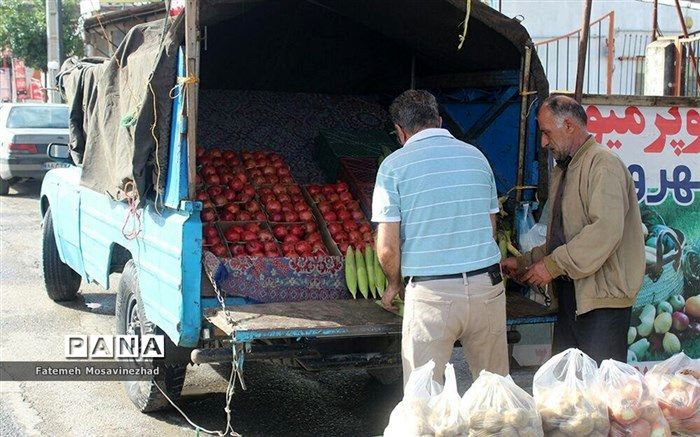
point(690, 47)
point(611, 51)
point(53, 55)
point(582, 50)
point(655, 21)
point(524, 97)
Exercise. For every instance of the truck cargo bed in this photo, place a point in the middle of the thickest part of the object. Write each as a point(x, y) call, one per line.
point(340, 318)
point(323, 318)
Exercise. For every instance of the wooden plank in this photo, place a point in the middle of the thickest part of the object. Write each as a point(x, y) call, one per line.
point(192, 70)
point(309, 318)
point(600, 99)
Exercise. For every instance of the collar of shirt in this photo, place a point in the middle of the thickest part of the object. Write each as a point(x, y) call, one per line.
point(427, 133)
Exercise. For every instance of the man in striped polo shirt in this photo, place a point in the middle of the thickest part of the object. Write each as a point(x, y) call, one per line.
point(435, 203)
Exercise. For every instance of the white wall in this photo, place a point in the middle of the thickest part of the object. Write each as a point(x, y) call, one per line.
point(545, 19)
point(549, 18)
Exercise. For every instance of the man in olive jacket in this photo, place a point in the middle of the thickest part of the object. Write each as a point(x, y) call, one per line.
point(594, 253)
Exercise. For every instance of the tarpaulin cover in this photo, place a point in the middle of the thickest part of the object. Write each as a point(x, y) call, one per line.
point(114, 133)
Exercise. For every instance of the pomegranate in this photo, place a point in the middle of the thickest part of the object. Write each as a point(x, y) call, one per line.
point(232, 235)
point(227, 216)
point(208, 215)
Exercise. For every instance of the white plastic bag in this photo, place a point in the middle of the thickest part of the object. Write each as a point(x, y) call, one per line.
point(676, 384)
point(495, 405)
point(444, 418)
point(567, 392)
point(410, 416)
point(633, 409)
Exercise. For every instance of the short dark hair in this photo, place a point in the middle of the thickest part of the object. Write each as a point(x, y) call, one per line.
point(414, 110)
point(564, 106)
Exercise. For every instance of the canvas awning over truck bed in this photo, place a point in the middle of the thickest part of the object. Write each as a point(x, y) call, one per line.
point(321, 46)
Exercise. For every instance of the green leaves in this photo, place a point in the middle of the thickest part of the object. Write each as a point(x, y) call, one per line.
point(23, 29)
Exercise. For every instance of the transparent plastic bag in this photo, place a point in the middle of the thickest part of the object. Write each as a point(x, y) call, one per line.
point(567, 392)
point(632, 408)
point(410, 416)
point(495, 405)
point(676, 384)
point(444, 418)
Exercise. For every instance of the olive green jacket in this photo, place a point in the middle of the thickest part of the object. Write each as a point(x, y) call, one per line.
point(604, 253)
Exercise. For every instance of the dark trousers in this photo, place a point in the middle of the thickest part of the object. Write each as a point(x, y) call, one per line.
point(600, 334)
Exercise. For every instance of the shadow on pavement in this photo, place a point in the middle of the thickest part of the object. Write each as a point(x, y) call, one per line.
point(284, 401)
point(30, 189)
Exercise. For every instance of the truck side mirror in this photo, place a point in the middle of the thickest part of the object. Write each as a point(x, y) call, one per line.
point(60, 153)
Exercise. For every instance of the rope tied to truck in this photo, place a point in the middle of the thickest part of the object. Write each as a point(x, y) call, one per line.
point(132, 198)
point(463, 36)
point(182, 82)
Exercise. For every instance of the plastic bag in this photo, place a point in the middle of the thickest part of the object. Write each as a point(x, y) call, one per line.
point(536, 236)
point(567, 393)
point(676, 384)
point(495, 405)
point(632, 408)
point(444, 418)
point(410, 416)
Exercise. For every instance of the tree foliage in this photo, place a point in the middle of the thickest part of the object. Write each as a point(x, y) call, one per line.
point(23, 29)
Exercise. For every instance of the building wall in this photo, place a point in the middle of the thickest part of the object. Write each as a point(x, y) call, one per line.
point(545, 19)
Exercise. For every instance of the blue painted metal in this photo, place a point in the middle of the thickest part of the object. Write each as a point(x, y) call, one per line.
point(166, 250)
point(499, 141)
point(496, 108)
point(212, 303)
point(62, 189)
point(176, 184)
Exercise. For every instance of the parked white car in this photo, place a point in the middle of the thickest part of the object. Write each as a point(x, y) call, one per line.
point(26, 129)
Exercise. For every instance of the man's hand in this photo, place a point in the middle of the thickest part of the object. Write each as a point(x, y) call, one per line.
point(510, 266)
point(537, 274)
point(389, 294)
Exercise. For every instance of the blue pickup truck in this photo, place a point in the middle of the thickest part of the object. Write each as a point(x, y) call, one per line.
point(156, 243)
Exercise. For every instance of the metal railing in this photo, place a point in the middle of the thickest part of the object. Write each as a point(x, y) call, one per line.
point(559, 57)
point(630, 74)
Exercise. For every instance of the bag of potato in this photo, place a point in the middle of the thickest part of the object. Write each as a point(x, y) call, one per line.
point(410, 416)
point(495, 405)
point(632, 408)
point(567, 393)
point(676, 384)
point(444, 418)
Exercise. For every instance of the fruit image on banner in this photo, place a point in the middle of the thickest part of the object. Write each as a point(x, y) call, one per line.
point(661, 147)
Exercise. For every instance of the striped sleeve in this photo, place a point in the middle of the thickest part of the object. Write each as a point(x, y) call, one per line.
point(385, 199)
point(494, 194)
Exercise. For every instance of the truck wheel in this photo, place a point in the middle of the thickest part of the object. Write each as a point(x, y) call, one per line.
point(386, 375)
point(4, 187)
point(131, 320)
point(61, 281)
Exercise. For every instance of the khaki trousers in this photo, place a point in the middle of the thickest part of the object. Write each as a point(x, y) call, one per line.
point(438, 313)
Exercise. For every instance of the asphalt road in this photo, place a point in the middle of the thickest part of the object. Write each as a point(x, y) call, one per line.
point(279, 400)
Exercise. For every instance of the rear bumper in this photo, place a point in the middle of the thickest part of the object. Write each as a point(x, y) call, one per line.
point(22, 168)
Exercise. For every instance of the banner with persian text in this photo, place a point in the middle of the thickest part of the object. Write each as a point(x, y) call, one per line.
point(661, 147)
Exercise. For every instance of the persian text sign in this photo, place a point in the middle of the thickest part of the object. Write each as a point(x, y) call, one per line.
point(660, 145)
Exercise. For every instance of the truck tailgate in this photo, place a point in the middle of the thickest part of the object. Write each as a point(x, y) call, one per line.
point(323, 318)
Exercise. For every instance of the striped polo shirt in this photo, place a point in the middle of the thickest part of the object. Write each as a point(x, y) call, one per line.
point(442, 190)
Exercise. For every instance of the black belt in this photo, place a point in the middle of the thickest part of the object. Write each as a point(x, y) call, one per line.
point(490, 269)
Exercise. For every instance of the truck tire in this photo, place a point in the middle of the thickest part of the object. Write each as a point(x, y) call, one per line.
point(131, 320)
point(4, 187)
point(62, 282)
